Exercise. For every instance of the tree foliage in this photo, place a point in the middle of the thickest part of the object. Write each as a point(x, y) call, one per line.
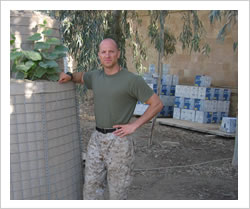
point(191, 36)
point(230, 17)
point(83, 31)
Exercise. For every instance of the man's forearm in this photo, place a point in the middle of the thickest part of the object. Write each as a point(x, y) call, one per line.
point(78, 77)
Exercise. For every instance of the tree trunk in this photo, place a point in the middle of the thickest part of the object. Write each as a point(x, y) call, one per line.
point(235, 156)
point(160, 65)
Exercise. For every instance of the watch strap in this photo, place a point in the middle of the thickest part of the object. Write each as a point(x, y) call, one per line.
point(70, 74)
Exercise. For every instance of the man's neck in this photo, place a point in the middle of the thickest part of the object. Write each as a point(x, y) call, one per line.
point(113, 70)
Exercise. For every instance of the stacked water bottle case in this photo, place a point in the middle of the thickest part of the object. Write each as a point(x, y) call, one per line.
point(167, 95)
point(201, 103)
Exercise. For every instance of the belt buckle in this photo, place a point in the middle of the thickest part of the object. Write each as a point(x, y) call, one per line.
point(105, 131)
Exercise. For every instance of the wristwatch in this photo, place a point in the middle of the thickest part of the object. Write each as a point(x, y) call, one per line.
point(70, 74)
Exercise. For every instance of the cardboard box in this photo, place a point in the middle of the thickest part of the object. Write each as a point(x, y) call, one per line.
point(152, 68)
point(188, 103)
point(226, 105)
point(165, 69)
point(165, 90)
point(194, 92)
point(202, 80)
point(179, 91)
point(175, 80)
point(221, 115)
point(183, 114)
point(151, 85)
point(218, 93)
point(223, 106)
point(167, 100)
point(199, 104)
point(203, 105)
point(205, 93)
point(215, 117)
point(228, 124)
point(155, 87)
point(172, 90)
point(203, 117)
point(167, 79)
point(208, 106)
point(140, 109)
point(187, 91)
point(188, 115)
point(226, 95)
point(179, 102)
point(177, 113)
point(182, 90)
point(167, 111)
point(220, 105)
point(214, 104)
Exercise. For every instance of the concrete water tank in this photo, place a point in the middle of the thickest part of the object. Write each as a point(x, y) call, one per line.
point(45, 155)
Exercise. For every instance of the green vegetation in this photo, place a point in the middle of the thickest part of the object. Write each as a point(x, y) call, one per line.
point(39, 63)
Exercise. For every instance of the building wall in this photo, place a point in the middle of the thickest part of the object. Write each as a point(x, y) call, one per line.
point(221, 64)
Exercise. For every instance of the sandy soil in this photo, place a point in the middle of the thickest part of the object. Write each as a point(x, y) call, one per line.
point(180, 165)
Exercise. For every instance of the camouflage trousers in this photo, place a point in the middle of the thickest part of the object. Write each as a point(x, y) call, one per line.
point(109, 162)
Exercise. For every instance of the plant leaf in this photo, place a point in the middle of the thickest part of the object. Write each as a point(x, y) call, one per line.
point(48, 64)
point(47, 32)
point(53, 77)
point(41, 45)
point(35, 56)
point(20, 75)
point(61, 49)
point(12, 42)
point(49, 56)
point(54, 41)
point(15, 55)
point(40, 72)
point(35, 37)
point(52, 70)
point(30, 64)
point(13, 37)
point(25, 67)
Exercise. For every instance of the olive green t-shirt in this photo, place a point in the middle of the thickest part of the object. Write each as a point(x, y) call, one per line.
point(115, 96)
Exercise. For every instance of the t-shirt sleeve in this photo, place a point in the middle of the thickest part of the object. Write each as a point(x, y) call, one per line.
point(141, 90)
point(87, 78)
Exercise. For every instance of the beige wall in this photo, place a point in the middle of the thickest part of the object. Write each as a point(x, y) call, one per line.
point(221, 65)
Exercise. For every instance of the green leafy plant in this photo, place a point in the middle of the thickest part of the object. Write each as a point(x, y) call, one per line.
point(39, 63)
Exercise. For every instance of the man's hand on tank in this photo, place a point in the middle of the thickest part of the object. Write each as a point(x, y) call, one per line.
point(63, 78)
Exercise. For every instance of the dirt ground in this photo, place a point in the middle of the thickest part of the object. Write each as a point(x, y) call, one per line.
point(180, 165)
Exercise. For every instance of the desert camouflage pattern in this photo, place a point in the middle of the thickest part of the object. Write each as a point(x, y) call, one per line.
point(109, 162)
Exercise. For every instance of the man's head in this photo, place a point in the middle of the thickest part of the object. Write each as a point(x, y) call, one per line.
point(108, 53)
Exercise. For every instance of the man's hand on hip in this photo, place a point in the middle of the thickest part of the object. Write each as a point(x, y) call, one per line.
point(124, 130)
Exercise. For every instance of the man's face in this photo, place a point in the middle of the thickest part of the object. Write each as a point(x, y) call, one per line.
point(108, 53)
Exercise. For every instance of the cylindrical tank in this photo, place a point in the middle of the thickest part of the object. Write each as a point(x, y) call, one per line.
point(45, 155)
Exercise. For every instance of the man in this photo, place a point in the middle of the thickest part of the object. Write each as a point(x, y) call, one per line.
point(110, 153)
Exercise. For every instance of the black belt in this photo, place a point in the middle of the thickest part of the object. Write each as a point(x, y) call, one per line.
point(106, 130)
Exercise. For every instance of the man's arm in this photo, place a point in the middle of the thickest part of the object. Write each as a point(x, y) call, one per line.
point(77, 77)
point(155, 106)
